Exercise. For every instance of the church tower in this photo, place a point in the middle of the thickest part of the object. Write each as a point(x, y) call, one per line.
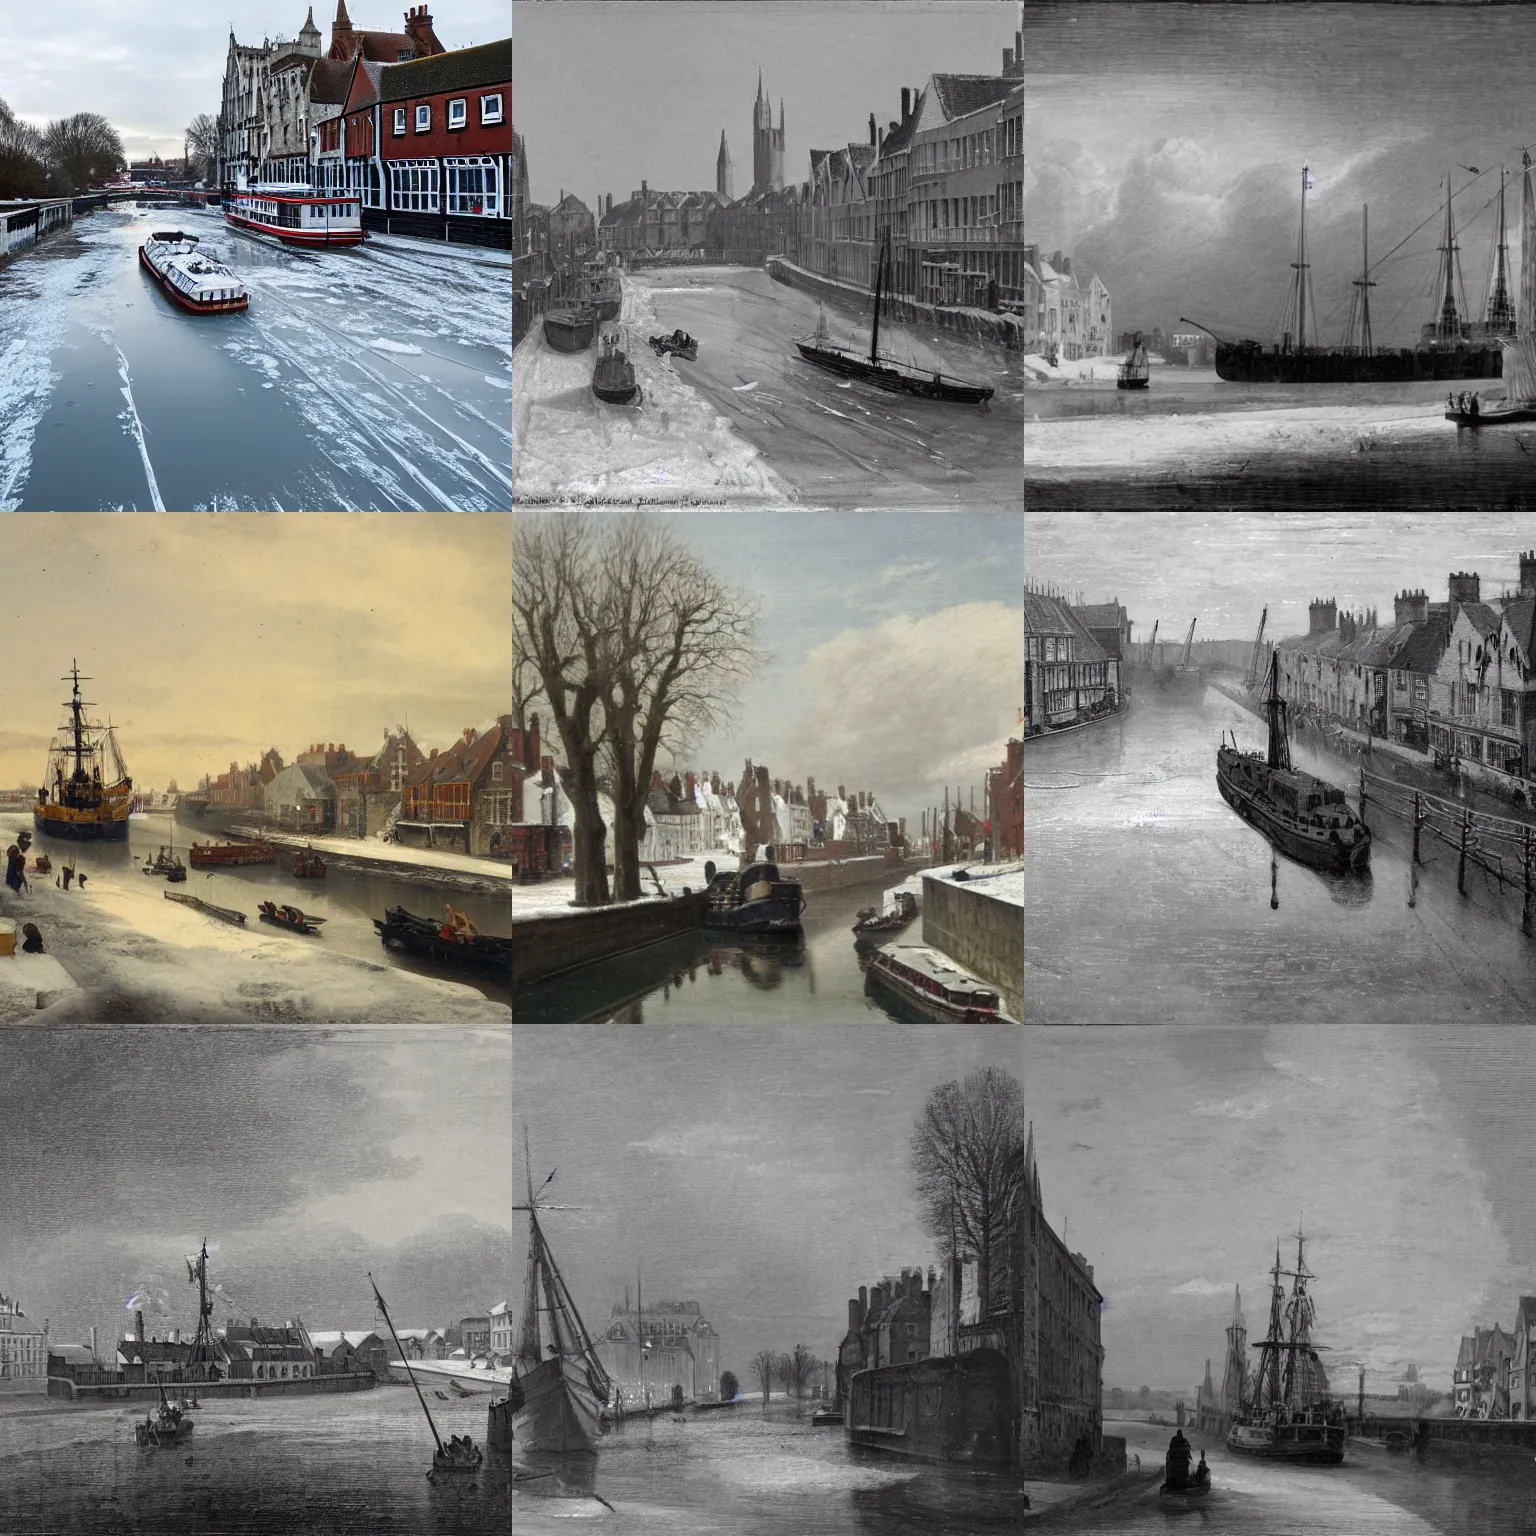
point(723, 171)
point(309, 35)
point(767, 143)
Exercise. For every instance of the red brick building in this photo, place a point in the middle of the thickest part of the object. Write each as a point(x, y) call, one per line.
point(461, 799)
point(1006, 794)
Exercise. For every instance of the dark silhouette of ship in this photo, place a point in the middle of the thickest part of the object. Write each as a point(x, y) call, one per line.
point(1450, 347)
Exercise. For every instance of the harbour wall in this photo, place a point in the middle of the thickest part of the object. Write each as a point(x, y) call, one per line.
point(549, 946)
point(149, 1391)
point(983, 933)
point(491, 883)
point(1502, 1437)
point(978, 325)
point(833, 875)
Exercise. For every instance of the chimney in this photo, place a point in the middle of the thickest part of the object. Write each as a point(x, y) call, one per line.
point(418, 27)
point(1007, 61)
point(880, 141)
point(692, 783)
point(854, 1320)
point(1323, 616)
point(1410, 607)
point(863, 1304)
point(532, 741)
point(1528, 573)
point(1464, 587)
point(655, 778)
point(138, 1328)
point(645, 190)
point(906, 103)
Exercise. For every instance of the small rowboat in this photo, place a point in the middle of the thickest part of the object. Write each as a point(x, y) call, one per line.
point(1186, 1488)
point(288, 917)
point(224, 914)
point(308, 865)
point(873, 921)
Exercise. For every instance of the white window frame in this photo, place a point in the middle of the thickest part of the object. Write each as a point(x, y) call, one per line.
point(423, 117)
point(490, 109)
point(471, 178)
point(399, 122)
point(414, 186)
point(458, 112)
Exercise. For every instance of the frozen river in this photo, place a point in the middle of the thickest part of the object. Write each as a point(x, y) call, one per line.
point(369, 379)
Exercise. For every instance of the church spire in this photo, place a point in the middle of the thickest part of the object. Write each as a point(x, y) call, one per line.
point(781, 114)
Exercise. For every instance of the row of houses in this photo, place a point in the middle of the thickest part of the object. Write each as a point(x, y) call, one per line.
point(1456, 679)
point(1073, 659)
point(420, 134)
point(463, 798)
point(1062, 319)
point(1495, 1372)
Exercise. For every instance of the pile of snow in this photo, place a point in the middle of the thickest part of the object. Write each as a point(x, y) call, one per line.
point(674, 442)
point(1003, 882)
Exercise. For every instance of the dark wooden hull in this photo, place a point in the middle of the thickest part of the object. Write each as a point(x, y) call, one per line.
point(1132, 383)
point(1249, 363)
point(287, 926)
point(111, 831)
point(1318, 853)
point(569, 330)
point(1307, 1444)
point(613, 380)
point(896, 380)
point(402, 930)
point(1497, 418)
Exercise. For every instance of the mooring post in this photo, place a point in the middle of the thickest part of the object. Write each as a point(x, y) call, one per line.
point(1362, 798)
point(1461, 865)
point(1417, 822)
point(1525, 910)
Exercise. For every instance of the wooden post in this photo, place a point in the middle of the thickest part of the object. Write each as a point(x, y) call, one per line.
point(1418, 821)
point(1362, 799)
point(1461, 865)
point(1525, 911)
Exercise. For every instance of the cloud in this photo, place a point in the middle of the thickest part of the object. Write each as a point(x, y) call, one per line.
point(1199, 1287)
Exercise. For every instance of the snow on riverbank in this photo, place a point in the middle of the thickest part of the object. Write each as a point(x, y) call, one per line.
point(1084, 370)
point(372, 851)
point(1152, 443)
point(552, 898)
point(569, 444)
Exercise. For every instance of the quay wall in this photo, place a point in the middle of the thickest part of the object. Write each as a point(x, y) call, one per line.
point(967, 324)
point(149, 1391)
point(980, 932)
point(815, 875)
point(492, 882)
point(1499, 1436)
point(25, 223)
point(549, 946)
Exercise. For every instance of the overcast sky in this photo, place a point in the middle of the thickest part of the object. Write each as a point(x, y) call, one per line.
point(1224, 567)
point(1176, 1158)
point(306, 1161)
point(211, 637)
point(1166, 145)
point(149, 68)
point(610, 94)
point(761, 1173)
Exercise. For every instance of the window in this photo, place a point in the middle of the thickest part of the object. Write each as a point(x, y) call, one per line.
point(399, 122)
point(474, 185)
point(413, 186)
point(458, 112)
point(490, 109)
point(423, 118)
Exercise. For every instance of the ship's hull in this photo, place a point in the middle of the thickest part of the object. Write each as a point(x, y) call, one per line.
point(1249, 363)
point(1511, 417)
point(1317, 1444)
point(188, 302)
point(229, 855)
point(109, 824)
point(884, 376)
point(304, 238)
point(777, 914)
point(1314, 847)
point(570, 330)
point(554, 1409)
point(1132, 383)
point(498, 1428)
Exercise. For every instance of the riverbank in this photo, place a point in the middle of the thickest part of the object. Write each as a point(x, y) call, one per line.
point(454, 871)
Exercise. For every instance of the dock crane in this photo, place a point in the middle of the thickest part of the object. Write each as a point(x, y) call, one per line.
point(1258, 652)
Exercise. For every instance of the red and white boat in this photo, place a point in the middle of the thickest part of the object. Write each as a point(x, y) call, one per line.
point(296, 215)
point(194, 281)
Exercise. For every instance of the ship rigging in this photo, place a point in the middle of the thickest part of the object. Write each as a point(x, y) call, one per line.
point(86, 792)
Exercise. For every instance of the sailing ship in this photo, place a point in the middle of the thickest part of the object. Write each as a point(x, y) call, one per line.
point(86, 791)
point(190, 279)
point(1135, 371)
point(459, 1454)
point(1289, 1416)
point(1303, 816)
point(1519, 349)
point(886, 372)
point(559, 1385)
point(1449, 348)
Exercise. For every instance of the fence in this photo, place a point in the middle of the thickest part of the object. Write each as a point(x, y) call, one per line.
point(1500, 847)
point(26, 223)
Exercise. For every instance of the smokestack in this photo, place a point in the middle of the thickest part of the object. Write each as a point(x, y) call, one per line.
point(872, 139)
point(138, 1330)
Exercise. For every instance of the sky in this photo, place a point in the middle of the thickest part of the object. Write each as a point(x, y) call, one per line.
point(1166, 145)
point(211, 637)
point(608, 95)
point(1225, 567)
point(1177, 1158)
point(305, 1159)
point(149, 68)
point(761, 1173)
point(895, 645)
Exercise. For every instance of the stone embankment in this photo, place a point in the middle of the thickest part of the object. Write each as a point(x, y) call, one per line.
point(979, 923)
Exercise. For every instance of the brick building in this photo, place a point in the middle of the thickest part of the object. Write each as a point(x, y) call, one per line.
point(368, 790)
point(462, 799)
point(1068, 676)
point(1005, 794)
point(890, 1324)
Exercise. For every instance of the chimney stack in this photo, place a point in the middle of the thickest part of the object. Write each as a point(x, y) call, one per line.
point(138, 1326)
point(906, 103)
point(873, 140)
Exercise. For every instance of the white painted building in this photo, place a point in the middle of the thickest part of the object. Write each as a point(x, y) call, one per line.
point(23, 1347)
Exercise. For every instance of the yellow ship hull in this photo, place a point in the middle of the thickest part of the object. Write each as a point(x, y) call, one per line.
point(107, 822)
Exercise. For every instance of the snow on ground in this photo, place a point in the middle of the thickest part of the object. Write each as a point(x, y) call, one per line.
point(1085, 370)
point(674, 442)
point(138, 958)
point(1004, 881)
point(30, 982)
point(1150, 443)
point(373, 851)
point(552, 898)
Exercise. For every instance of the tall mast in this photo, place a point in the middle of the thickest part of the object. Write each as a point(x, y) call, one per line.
point(645, 1391)
point(202, 1341)
point(1363, 282)
point(1279, 755)
point(1450, 323)
point(1301, 265)
point(874, 343)
point(1501, 312)
point(407, 1362)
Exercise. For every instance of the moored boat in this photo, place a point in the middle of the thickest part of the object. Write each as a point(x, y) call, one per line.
point(456, 943)
point(167, 864)
point(604, 289)
point(168, 1426)
point(288, 917)
point(1135, 372)
point(230, 855)
point(224, 914)
point(570, 327)
point(86, 792)
point(190, 279)
point(308, 865)
point(1305, 817)
point(298, 215)
point(871, 920)
point(935, 983)
point(613, 379)
point(756, 899)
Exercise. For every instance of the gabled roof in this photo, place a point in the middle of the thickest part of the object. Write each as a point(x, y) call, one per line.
point(330, 79)
point(1483, 618)
point(1045, 615)
point(462, 70)
point(1100, 615)
point(1519, 616)
point(1423, 650)
point(957, 95)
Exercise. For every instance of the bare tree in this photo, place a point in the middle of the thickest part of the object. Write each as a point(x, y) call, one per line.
point(684, 640)
point(23, 172)
point(81, 152)
point(201, 145)
point(559, 624)
point(968, 1150)
point(762, 1365)
point(802, 1366)
point(526, 689)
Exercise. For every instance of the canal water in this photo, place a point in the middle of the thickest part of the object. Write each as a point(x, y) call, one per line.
point(707, 978)
point(838, 442)
point(754, 1473)
point(350, 1464)
point(369, 379)
point(1149, 901)
point(348, 899)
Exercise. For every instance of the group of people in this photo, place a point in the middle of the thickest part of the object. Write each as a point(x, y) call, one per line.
point(457, 925)
point(461, 1448)
point(1176, 1471)
point(1464, 404)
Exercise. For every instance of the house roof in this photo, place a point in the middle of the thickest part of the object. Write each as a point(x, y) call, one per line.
point(960, 94)
point(1483, 618)
point(330, 80)
point(901, 135)
point(1100, 615)
point(1050, 616)
point(462, 70)
point(1424, 648)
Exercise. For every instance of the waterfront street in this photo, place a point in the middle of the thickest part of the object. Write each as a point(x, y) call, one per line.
point(1125, 818)
point(375, 378)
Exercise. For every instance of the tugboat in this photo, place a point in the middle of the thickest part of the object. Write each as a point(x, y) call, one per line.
point(308, 865)
point(1135, 371)
point(1303, 816)
point(886, 372)
point(196, 282)
point(298, 215)
point(756, 899)
point(570, 327)
point(86, 791)
point(288, 917)
point(1290, 1416)
point(166, 863)
point(613, 379)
